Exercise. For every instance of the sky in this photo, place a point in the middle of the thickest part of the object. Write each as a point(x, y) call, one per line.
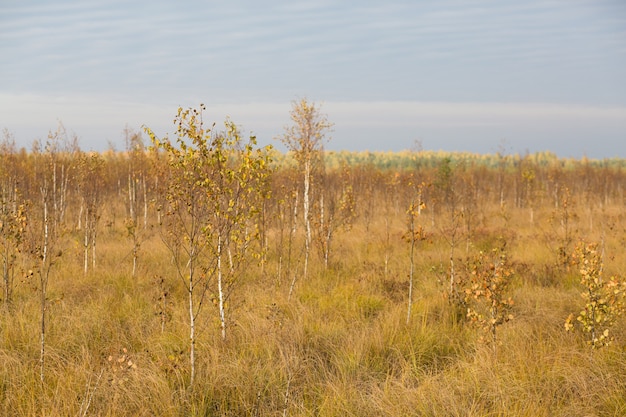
point(457, 75)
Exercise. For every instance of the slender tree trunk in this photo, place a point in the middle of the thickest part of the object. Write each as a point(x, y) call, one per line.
point(55, 204)
point(145, 202)
point(136, 245)
point(64, 182)
point(163, 309)
point(292, 232)
point(5, 276)
point(329, 237)
point(79, 226)
point(306, 214)
point(387, 246)
point(281, 243)
point(229, 253)
point(322, 227)
point(132, 198)
point(43, 280)
point(494, 339)
point(411, 269)
point(86, 249)
point(42, 340)
point(94, 232)
point(220, 288)
point(192, 320)
point(453, 291)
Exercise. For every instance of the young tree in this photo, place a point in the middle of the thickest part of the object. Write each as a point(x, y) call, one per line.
point(336, 210)
point(90, 167)
point(216, 185)
point(305, 139)
point(447, 195)
point(53, 168)
point(563, 222)
point(502, 163)
point(13, 216)
point(186, 213)
point(415, 233)
point(285, 197)
point(137, 192)
point(468, 191)
point(605, 299)
point(486, 294)
point(529, 180)
point(237, 191)
point(390, 193)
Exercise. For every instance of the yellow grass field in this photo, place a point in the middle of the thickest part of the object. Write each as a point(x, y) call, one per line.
point(337, 342)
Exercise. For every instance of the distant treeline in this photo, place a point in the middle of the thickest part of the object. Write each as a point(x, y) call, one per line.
point(406, 160)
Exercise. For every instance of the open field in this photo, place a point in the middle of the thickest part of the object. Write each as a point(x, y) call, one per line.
point(338, 341)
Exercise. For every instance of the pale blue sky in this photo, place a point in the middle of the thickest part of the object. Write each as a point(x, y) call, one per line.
point(456, 75)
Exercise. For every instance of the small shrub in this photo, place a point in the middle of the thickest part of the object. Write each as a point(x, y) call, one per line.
point(488, 305)
point(604, 299)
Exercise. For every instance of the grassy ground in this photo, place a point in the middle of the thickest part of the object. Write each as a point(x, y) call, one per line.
point(340, 346)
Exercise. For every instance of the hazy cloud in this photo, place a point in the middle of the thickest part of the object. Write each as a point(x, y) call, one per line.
point(385, 65)
point(387, 125)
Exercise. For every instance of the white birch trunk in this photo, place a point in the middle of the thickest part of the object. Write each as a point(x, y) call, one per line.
point(93, 245)
point(192, 320)
point(43, 277)
point(220, 288)
point(86, 250)
point(145, 202)
point(307, 219)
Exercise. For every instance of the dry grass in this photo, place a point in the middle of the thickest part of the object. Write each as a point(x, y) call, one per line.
point(339, 347)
